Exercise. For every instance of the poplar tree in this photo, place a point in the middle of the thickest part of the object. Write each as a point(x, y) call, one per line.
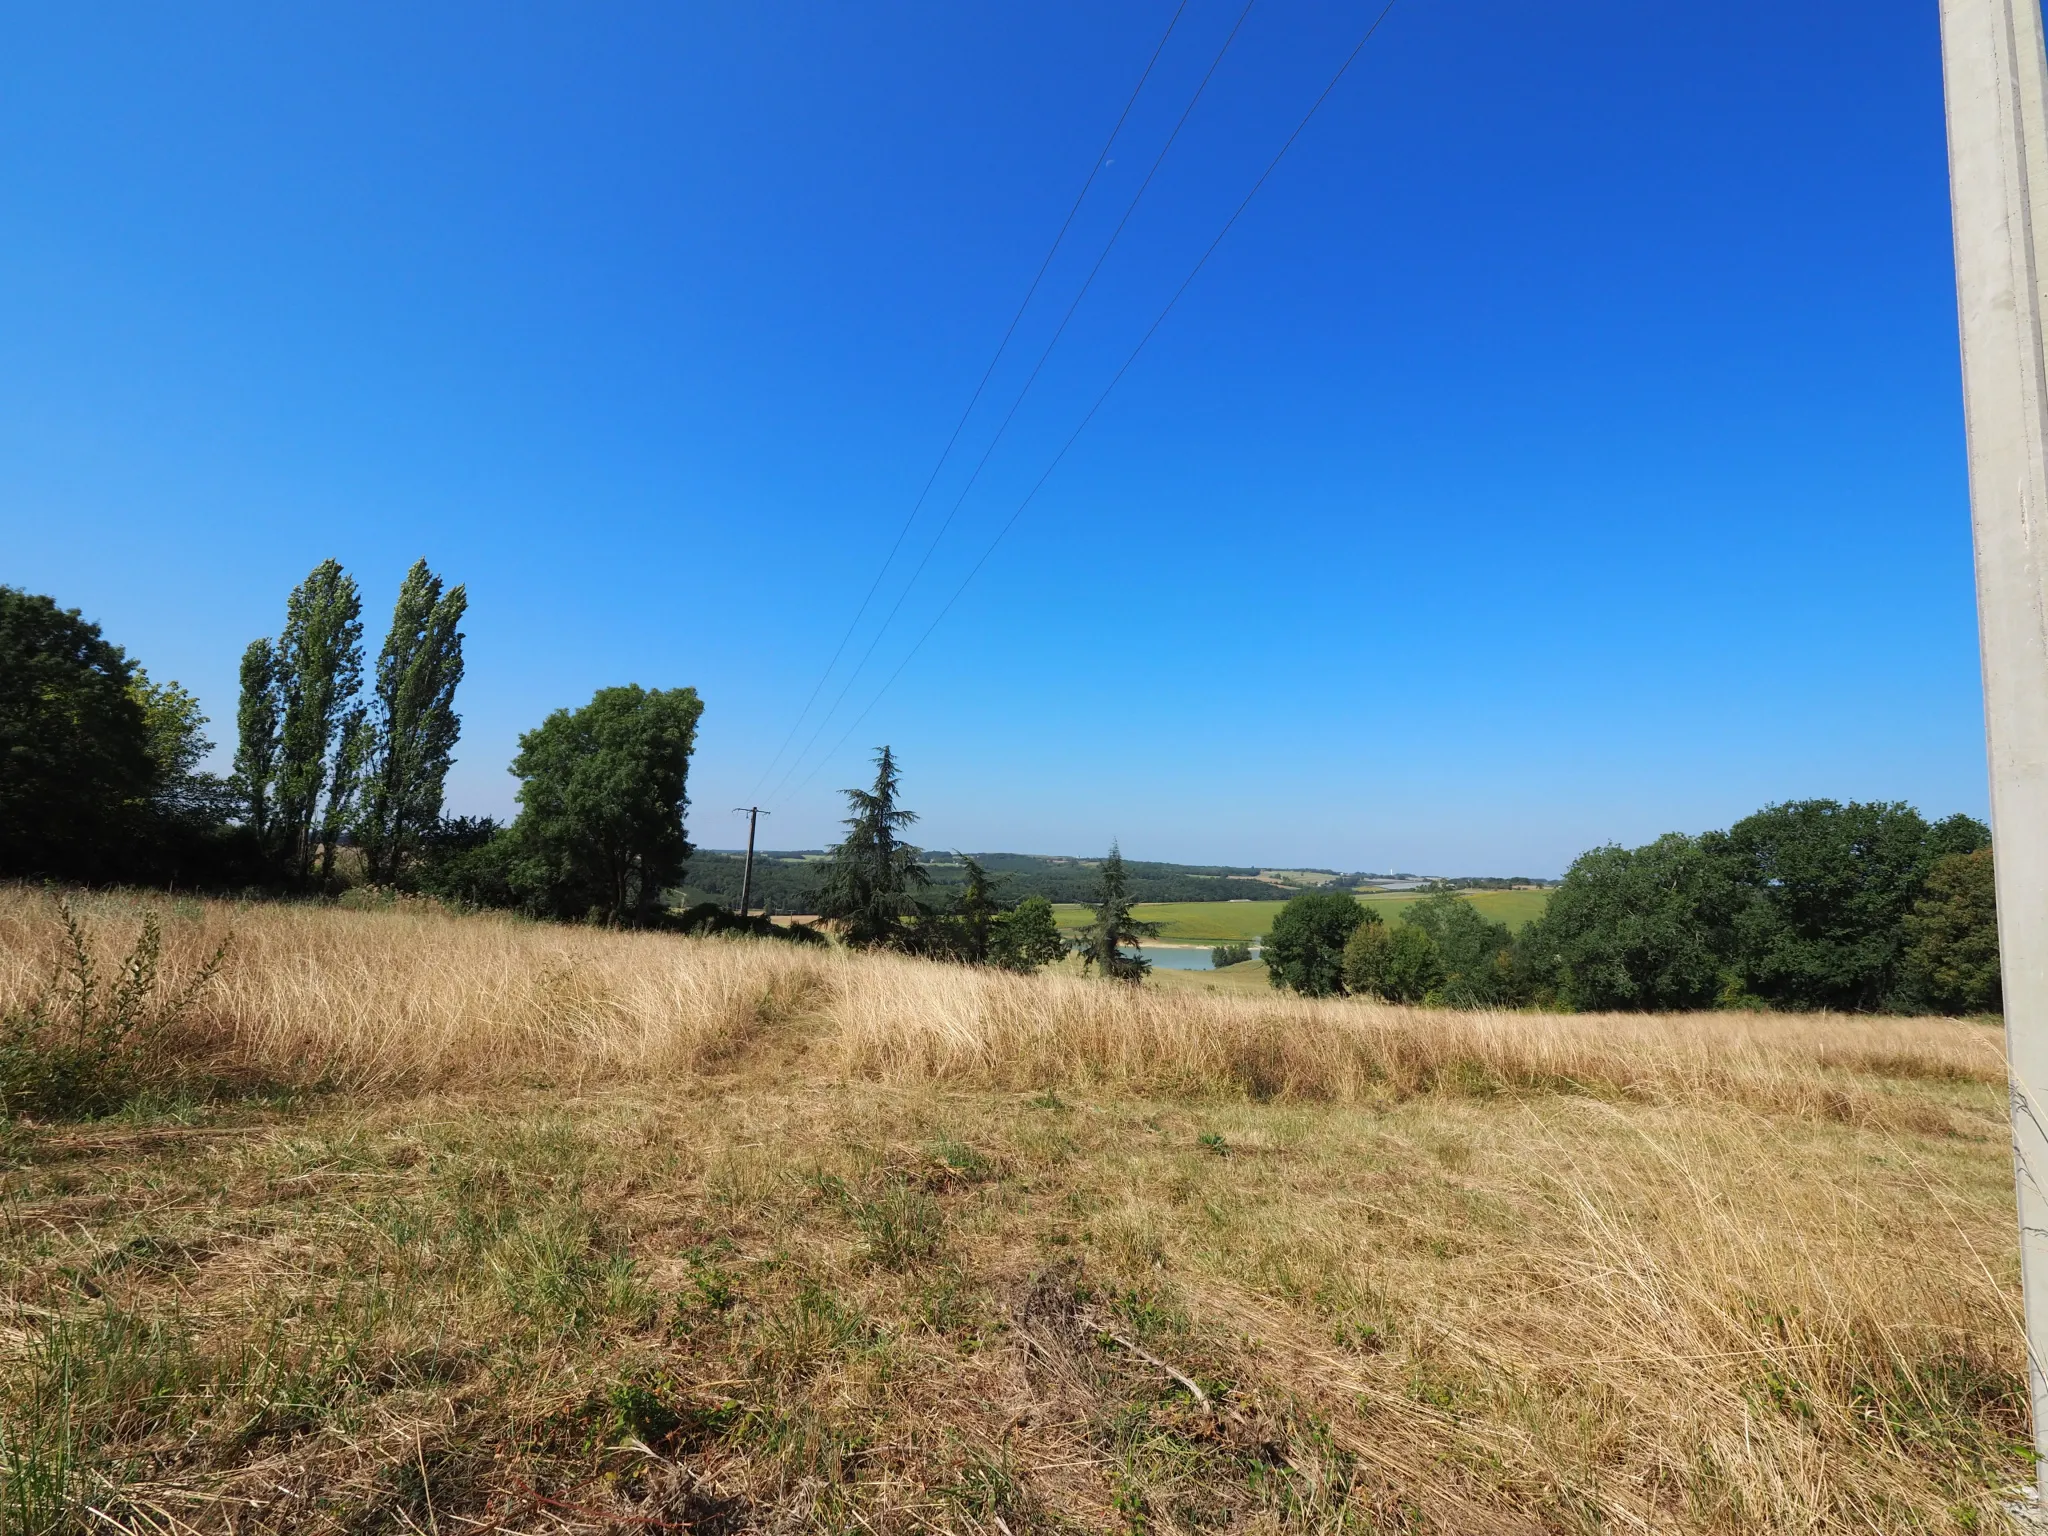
point(874, 871)
point(1101, 943)
point(319, 664)
point(412, 726)
point(256, 743)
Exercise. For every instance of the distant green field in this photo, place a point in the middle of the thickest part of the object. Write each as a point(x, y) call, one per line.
point(1221, 922)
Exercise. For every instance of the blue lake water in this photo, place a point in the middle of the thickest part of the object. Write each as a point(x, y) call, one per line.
point(1167, 958)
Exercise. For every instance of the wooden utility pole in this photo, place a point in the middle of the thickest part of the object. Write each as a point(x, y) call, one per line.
point(753, 813)
point(1997, 89)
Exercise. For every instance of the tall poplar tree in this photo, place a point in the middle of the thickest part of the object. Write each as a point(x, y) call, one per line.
point(412, 725)
point(874, 871)
point(319, 670)
point(256, 743)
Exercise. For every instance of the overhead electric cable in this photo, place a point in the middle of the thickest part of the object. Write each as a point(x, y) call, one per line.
point(1159, 320)
point(1009, 416)
point(986, 374)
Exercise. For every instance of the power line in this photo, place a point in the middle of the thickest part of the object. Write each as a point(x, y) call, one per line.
point(974, 399)
point(1009, 416)
point(1193, 272)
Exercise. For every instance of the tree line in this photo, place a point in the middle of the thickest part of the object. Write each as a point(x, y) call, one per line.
point(339, 768)
point(784, 882)
point(1812, 904)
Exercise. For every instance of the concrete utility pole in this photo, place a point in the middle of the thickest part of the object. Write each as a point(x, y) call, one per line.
point(753, 813)
point(1995, 77)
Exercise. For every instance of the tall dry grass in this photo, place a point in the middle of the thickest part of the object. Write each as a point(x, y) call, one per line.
point(411, 998)
point(1742, 1274)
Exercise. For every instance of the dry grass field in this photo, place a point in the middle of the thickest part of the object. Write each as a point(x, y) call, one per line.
point(440, 1224)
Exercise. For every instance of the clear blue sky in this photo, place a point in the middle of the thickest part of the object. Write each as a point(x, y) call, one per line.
point(1566, 446)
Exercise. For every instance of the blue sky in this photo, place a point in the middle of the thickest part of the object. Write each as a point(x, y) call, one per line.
point(1564, 447)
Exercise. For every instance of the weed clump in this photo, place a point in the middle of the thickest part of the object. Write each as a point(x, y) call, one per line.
point(84, 1044)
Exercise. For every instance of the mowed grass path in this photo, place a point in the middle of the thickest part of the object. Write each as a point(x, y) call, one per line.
point(1222, 922)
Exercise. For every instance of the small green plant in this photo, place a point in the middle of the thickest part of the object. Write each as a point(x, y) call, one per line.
point(1212, 1141)
point(82, 1045)
point(963, 1160)
point(903, 1226)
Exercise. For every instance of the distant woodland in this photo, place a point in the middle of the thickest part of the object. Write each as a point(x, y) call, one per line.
point(787, 881)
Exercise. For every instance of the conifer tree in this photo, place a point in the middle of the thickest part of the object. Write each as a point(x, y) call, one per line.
point(976, 916)
point(413, 725)
point(1101, 943)
point(873, 873)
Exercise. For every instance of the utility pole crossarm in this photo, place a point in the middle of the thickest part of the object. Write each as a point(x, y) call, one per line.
point(1994, 76)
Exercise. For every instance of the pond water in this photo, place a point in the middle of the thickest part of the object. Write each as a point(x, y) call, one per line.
point(1172, 957)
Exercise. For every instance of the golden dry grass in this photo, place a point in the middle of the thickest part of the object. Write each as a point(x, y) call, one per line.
point(598, 1231)
point(414, 998)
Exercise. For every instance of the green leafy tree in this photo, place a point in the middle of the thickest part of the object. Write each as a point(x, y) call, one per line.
point(602, 797)
point(1823, 891)
point(413, 725)
point(1635, 929)
point(1101, 943)
point(1305, 950)
point(469, 861)
point(1951, 939)
point(76, 766)
point(184, 794)
point(318, 670)
point(258, 751)
point(1226, 955)
point(1026, 937)
point(1397, 962)
point(1477, 955)
point(873, 877)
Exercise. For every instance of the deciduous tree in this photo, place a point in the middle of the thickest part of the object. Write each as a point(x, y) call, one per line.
point(412, 725)
point(1397, 962)
point(76, 769)
point(1951, 939)
point(602, 795)
point(319, 668)
point(1823, 893)
point(1477, 955)
point(1305, 950)
point(1636, 928)
point(257, 749)
point(1027, 937)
